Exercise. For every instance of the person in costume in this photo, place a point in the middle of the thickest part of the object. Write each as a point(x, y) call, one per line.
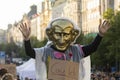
point(61, 33)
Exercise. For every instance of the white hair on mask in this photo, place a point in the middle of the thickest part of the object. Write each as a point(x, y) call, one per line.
point(67, 19)
point(64, 18)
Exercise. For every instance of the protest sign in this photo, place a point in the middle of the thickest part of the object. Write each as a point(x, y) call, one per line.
point(11, 68)
point(63, 70)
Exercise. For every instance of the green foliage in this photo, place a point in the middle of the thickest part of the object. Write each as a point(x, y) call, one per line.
point(108, 14)
point(36, 43)
point(14, 50)
point(88, 38)
point(2, 47)
point(85, 39)
point(113, 36)
point(79, 39)
point(108, 51)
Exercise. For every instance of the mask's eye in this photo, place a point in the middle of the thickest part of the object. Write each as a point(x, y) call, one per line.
point(57, 34)
point(66, 34)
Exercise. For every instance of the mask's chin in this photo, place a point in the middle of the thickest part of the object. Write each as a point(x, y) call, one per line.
point(61, 48)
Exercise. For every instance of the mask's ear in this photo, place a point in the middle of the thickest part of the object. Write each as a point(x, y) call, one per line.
point(75, 33)
point(49, 34)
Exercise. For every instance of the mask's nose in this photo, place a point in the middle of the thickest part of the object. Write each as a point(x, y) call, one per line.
point(61, 39)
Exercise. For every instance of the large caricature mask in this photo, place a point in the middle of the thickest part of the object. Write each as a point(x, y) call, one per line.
point(62, 32)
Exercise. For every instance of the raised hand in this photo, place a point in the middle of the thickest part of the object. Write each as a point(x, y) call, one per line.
point(103, 28)
point(25, 29)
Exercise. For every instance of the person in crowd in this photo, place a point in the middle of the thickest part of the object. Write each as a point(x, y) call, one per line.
point(3, 71)
point(18, 77)
point(8, 76)
point(62, 33)
point(26, 78)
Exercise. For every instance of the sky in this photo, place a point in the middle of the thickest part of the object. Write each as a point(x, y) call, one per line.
point(13, 10)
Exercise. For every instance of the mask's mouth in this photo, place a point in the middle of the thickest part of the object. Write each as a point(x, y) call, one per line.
point(61, 47)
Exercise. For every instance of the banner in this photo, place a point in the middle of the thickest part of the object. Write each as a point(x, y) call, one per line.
point(11, 68)
point(63, 70)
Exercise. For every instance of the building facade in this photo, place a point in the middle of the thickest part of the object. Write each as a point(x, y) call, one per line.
point(2, 36)
point(45, 17)
point(87, 14)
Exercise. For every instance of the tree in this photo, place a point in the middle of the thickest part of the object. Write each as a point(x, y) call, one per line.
point(79, 39)
point(36, 43)
point(108, 51)
point(109, 14)
point(113, 37)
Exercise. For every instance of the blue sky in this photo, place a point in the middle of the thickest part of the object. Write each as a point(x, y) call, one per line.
point(13, 10)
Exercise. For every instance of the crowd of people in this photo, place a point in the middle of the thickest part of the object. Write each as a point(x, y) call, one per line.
point(99, 75)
